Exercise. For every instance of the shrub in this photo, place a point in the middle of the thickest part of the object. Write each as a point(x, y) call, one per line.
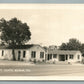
point(82, 61)
point(54, 62)
point(30, 60)
point(22, 60)
point(69, 63)
point(39, 61)
point(34, 61)
point(43, 60)
point(78, 62)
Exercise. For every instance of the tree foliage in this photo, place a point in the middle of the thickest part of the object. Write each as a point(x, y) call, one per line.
point(14, 32)
point(73, 44)
point(63, 46)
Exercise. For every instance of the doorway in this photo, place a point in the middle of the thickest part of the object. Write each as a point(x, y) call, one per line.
point(19, 55)
point(66, 57)
point(49, 56)
point(61, 57)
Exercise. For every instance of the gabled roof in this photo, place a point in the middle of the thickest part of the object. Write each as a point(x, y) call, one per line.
point(63, 52)
point(21, 46)
point(17, 47)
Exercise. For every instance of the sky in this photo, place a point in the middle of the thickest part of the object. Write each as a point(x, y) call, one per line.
point(49, 24)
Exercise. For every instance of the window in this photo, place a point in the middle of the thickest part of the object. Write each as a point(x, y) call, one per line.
point(24, 53)
point(33, 54)
point(66, 57)
point(54, 55)
point(50, 56)
point(2, 52)
point(71, 57)
point(78, 56)
point(41, 54)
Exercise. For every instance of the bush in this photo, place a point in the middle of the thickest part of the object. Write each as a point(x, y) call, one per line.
point(21, 60)
point(54, 62)
point(78, 62)
point(43, 60)
point(39, 61)
point(82, 61)
point(34, 61)
point(30, 60)
point(69, 63)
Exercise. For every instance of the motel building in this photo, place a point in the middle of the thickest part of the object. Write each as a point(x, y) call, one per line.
point(64, 56)
point(38, 53)
point(23, 52)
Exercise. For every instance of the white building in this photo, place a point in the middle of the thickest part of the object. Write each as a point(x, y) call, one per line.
point(64, 55)
point(38, 53)
point(23, 52)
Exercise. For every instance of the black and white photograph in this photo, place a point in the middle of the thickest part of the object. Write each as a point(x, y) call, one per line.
point(42, 41)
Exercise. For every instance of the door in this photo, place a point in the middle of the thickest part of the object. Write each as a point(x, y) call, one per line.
point(66, 57)
point(19, 55)
point(61, 57)
point(49, 56)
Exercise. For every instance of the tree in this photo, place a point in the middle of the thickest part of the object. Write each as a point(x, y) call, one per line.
point(14, 32)
point(52, 47)
point(73, 44)
point(63, 46)
point(46, 48)
point(2, 44)
point(82, 49)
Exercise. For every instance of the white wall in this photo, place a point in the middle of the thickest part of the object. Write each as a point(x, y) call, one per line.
point(76, 57)
point(0, 53)
point(21, 57)
point(38, 49)
point(1, 57)
point(7, 54)
point(54, 59)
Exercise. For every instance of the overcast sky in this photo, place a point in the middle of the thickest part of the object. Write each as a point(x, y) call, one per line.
point(49, 25)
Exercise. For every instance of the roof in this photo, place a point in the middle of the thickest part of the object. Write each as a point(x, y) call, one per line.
point(17, 47)
point(63, 51)
point(21, 46)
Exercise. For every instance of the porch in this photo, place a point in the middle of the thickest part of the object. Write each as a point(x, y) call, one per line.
point(59, 57)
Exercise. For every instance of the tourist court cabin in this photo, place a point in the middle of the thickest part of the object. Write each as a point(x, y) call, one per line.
point(38, 53)
point(23, 52)
point(64, 55)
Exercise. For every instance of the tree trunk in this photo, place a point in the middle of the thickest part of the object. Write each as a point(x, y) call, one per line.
point(13, 53)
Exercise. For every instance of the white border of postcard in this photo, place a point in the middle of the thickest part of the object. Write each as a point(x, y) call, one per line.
point(42, 6)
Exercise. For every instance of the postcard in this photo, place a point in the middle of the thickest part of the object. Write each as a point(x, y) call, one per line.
point(41, 42)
